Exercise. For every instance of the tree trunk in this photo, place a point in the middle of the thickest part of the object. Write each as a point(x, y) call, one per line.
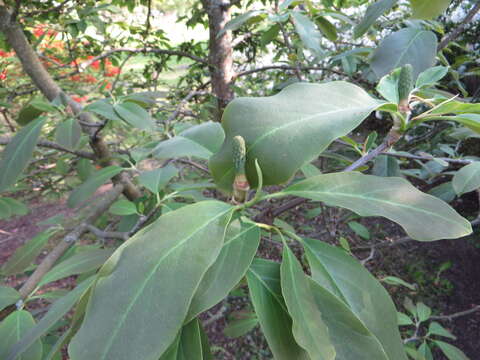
point(220, 52)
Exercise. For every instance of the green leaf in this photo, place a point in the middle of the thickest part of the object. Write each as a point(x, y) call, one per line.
point(428, 10)
point(467, 178)
point(308, 32)
point(472, 121)
point(238, 21)
point(290, 129)
point(24, 255)
point(264, 284)
point(42, 105)
point(374, 11)
point(443, 191)
point(393, 280)
point(359, 229)
point(322, 323)
point(345, 277)
point(18, 152)
point(84, 169)
point(386, 166)
point(8, 296)
point(239, 327)
point(88, 188)
point(403, 319)
point(83, 262)
point(14, 328)
point(123, 207)
point(155, 180)
point(190, 345)
point(103, 108)
point(431, 76)
point(134, 115)
point(310, 170)
point(11, 207)
point(450, 351)
point(68, 133)
point(239, 248)
point(388, 86)
point(327, 28)
point(200, 141)
point(423, 312)
point(393, 198)
point(56, 312)
point(436, 329)
point(425, 352)
point(27, 114)
point(144, 291)
point(407, 46)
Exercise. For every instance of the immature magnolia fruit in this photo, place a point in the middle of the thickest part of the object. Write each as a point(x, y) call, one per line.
point(405, 86)
point(287, 130)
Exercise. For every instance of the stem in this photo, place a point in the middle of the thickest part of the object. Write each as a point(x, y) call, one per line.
point(459, 29)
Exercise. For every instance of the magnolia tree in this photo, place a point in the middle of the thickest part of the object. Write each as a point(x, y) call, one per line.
point(167, 250)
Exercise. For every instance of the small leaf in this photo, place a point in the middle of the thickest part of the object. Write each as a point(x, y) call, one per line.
point(134, 115)
point(431, 76)
point(308, 32)
point(413, 46)
point(403, 319)
point(84, 169)
point(467, 178)
point(436, 329)
point(386, 166)
point(11, 207)
point(388, 86)
point(374, 11)
point(155, 180)
point(237, 22)
point(8, 296)
point(88, 188)
point(14, 328)
point(68, 133)
point(240, 327)
point(103, 108)
point(450, 351)
point(200, 141)
point(393, 280)
point(443, 191)
point(18, 152)
point(423, 312)
point(123, 207)
point(24, 255)
point(359, 229)
point(27, 114)
point(327, 28)
point(428, 10)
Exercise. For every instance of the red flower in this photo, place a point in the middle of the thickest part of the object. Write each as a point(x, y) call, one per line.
point(3, 74)
point(38, 31)
point(95, 64)
point(80, 99)
point(90, 79)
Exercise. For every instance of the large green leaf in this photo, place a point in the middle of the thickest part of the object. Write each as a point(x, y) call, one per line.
point(407, 46)
point(200, 141)
point(239, 248)
point(450, 351)
point(11, 207)
point(83, 262)
point(8, 296)
point(308, 32)
point(345, 277)
point(134, 115)
point(56, 312)
point(374, 11)
point(68, 133)
point(290, 129)
point(264, 284)
point(103, 108)
point(428, 10)
point(431, 76)
point(142, 297)
point(322, 323)
point(14, 328)
point(18, 152)
point(24, 255)
point(467, 178)
point(88, 188)
point(393, 198)
point(189, 344)
point(237, 22)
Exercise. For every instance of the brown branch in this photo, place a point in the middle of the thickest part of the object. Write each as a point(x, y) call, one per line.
point(459, 29)
point(427, 158)
point(55, 146)
point(456, 315)
point(107, 234)
point(184, 101)
point(94, 212)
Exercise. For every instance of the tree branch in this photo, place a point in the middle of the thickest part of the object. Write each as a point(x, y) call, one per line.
point(51, 145)
point(456, 315)
point(459, 29)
